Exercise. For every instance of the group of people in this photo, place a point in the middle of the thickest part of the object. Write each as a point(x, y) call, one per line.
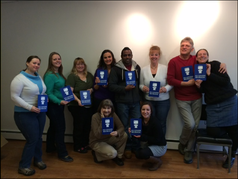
point(122, 102)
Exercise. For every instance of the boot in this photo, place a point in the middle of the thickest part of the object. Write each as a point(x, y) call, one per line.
point(156, 163)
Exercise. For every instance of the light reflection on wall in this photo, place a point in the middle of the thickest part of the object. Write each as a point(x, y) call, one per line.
point(139, 28)
point(196, 17)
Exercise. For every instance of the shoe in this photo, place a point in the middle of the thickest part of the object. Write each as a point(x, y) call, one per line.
point(118, 161)
point(156, 163)
point(41, 165)
point(225, 164)
point(67, 159)
point(26, 171)
point(188, 157)
point(95, 158)
point(82, 150)
point(127, 154)
point(181, 148)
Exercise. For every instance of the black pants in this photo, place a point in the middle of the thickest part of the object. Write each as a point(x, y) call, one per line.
point(232, 132)
point(144, 153)
point(81, 125)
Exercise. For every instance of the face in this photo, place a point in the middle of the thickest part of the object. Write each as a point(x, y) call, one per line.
point(56, 61)
point(106, 111)
point(185, 48)
point(146, 111)
point(107, 57)
point(202, 56)
point(154, 56)
point(80, 66)
point(127, 57)
point(33, 65)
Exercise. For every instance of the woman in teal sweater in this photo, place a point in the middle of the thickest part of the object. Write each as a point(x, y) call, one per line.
point(54, 80)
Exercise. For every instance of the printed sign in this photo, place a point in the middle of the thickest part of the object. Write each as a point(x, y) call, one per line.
point(67, 93)
point(154, 89)
point(85, 97)
point(43, 103)
point(107, 125)
point(130, 78)
point(187, 73)
point(136, 126)
point(200, 72)
point(102, 75)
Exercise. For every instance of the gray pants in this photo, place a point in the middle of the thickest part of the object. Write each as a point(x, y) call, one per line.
point(190, 112)
point(110, 148)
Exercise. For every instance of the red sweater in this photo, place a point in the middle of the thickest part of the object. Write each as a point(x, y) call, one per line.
point(174, 77)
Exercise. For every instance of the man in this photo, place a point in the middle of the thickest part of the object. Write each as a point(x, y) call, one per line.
point(127, 97)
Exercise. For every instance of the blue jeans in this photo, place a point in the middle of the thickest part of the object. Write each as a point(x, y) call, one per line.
point(55, 133)
point(126, 112)
point(31, 126)
point(161, 110)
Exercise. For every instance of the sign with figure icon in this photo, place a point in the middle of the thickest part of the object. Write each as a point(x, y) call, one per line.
point(67, 93)
point(85, 97)
point(136, 126)
point(154, 88)
point(187, 73)
point(200, 72)
point(43, 103)
point(102, 75)
point(107, 125)
point(130, 78)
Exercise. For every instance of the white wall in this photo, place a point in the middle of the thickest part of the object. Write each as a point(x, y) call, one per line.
point(85, 29)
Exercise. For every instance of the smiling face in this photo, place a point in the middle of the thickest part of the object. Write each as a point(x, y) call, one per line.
point(146, 111)
point(34, 65)
point(127, 57)
point(56, 61)
point(202, 56)
point(185, 48)
point(107, 58)
point(80, 67)
point(154, 57)
point(106, 111)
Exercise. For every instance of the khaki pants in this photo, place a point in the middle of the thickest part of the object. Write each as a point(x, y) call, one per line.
point(110, 148)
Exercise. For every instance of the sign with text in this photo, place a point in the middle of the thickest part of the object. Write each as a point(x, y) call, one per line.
point(107, 125)
point(136, 126)
point(85, 97)
point(102, 75)
point(200, 72)
point(43, 103)
point(187, 73)
point(154, 88)
point(130, 78)
point(67, 93)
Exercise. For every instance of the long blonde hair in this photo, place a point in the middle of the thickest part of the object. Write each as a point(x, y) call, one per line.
point(79, 60)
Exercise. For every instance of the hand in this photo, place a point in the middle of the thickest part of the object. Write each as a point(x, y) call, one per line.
point(129, 87)
point(35, 109)
point(198, 83)
point(145, 89)
point(136, 136)
point(162, 90)
point(64, 102)
point(97, 80)
point(113, 133)
point(208, 69)
point(90, 90)
point(222, 68)
point(129, 130)
point(102, 115)
point(79, 102)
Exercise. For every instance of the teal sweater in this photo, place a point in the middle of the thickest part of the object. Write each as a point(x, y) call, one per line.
point(53, 84)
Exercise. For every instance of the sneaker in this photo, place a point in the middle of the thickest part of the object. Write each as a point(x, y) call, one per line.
point(41, 165)
point(67, 159)
point(181, 148)
point(118, 161)
point(26, 171)
point(188, 157)
point(82, 150)
point(95, 158)
point(225, 164)
point(127, 154)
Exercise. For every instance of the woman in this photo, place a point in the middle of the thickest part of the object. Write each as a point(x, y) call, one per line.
point(105, 147)
point(156, 72)
point(80, 80)
point(25, 88)
point(54, 80)
point(221, 102)
point(152, 140)
point(101, 92)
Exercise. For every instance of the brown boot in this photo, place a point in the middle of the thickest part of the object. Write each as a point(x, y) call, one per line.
point(156, 163)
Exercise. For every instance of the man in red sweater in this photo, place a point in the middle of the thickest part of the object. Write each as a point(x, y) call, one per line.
point(188, 98)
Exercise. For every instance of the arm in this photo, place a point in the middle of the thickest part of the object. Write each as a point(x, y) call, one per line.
point(142, 86)
point(113, 83)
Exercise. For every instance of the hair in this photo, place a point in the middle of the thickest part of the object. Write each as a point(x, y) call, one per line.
point(50, 67)
point(104, 103)
point(124, 49)
point(81, 60)
point(147, 103)
point(154, 47)
point(188, 39)
point(28, 60)
point(101, 63)
point(202, 49)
